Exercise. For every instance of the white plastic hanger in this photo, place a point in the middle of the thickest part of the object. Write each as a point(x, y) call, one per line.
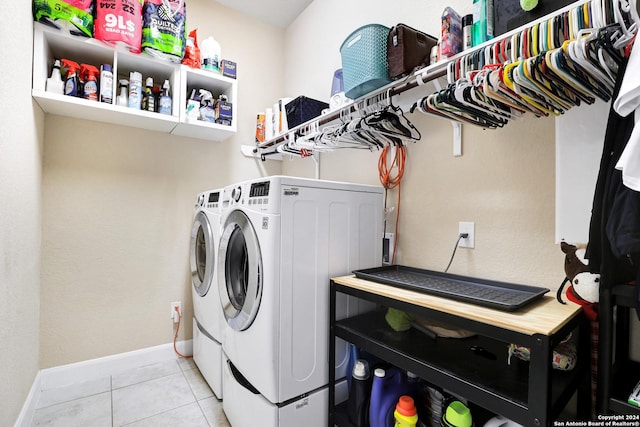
point(628, 7)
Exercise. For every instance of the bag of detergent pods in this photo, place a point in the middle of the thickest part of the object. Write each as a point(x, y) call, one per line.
point(119, 22)
point(164, 29)
point(73, 16)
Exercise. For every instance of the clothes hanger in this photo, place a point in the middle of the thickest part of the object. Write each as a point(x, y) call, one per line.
point(570, 71)
point(572, 88)
point(629, 26)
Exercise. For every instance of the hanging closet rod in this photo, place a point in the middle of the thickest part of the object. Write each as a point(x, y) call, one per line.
point(392, 89)
point(418, 78)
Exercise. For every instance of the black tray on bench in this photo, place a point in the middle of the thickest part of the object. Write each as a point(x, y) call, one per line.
point(487, 293)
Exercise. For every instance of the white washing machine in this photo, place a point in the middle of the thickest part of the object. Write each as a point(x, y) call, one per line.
point(282, 239)
point(207, 311)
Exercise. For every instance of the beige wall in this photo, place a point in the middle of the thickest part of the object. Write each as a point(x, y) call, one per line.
point(118, 204)
point(20, 181)
point(504, 182)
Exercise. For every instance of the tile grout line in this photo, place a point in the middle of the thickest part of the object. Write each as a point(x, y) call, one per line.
point(196, 397)
point(203, 414)
point(155, 415)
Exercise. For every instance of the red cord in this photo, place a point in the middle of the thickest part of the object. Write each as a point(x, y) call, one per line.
point(390, 181)
point(387, 178)
point(175, 337)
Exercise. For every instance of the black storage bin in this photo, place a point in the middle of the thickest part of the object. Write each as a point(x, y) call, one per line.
point(302, 109)
point(508, 14)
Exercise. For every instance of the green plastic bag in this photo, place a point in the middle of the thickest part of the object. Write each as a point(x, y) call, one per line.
point(65, 16)
point(164, 28)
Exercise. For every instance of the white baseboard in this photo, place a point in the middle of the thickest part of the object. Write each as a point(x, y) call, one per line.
point(29, 407)
point(63, 375)
point(95, 368)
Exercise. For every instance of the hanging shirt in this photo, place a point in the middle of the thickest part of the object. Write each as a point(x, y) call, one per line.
point(613, 230)
point(627, 102)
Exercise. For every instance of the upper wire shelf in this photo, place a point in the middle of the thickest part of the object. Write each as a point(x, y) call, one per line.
point(415, 84)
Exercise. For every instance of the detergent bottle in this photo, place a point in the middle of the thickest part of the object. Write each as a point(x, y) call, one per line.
point(148, 97)
point(210, 54)
point(358, 402)
point(89, 75)
point(71, 79)
point(388, 386)
point(405, 414)
point(54, 83)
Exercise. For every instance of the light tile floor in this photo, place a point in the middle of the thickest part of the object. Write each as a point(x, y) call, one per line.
point(171, 393)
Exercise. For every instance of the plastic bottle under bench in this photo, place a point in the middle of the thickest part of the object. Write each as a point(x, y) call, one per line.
point(359, 394)
point(405, 414)
point(388, 385)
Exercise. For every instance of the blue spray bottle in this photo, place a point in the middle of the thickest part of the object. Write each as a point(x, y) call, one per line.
point(72, 79)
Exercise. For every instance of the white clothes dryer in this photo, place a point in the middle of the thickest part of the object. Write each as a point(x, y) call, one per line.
point(282, 239)
point(207, 311)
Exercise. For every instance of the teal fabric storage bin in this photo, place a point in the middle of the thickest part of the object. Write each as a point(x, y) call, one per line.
point(364, 60)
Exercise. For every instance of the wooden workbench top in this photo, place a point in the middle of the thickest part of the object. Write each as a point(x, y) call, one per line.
point(544, 316)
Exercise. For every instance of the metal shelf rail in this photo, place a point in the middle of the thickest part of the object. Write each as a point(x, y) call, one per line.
point(405, 92)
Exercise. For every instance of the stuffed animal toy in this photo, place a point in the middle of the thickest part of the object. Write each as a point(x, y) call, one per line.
point(584, 291)
point(585, 286)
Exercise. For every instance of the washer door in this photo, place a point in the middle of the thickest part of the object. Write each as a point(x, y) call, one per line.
point(240, 261)
point(202, 254)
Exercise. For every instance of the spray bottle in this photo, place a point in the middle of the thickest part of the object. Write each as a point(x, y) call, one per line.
point(123, 98)
point(207, 112)
point(89, 75)
point(165, 99)
point(193, 106)
point(72, 79)
point(54, 83)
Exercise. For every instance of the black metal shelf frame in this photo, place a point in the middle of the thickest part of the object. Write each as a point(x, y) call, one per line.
point(530, 393)
point(617, 374)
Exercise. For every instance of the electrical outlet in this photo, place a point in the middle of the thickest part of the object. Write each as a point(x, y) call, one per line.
point(174, 315)
point(470, 229)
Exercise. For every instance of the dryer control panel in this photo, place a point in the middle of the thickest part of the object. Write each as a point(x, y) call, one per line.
point(256, 195)
point(259, 189)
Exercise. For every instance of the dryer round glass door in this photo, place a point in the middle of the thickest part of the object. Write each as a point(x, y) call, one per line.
point(240, 272)
point(202, 254)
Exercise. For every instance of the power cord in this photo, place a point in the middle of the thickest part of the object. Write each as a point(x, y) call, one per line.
point(460, 237)
point(175, 337)
point(391, 177)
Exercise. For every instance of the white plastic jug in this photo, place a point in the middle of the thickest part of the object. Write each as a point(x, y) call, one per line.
point(210, 53)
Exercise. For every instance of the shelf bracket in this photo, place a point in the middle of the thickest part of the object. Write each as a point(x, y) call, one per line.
point(254, 152)
point(457, 138)
point(457, 129)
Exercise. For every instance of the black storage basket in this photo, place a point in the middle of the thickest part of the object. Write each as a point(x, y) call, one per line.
point(303, 109)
